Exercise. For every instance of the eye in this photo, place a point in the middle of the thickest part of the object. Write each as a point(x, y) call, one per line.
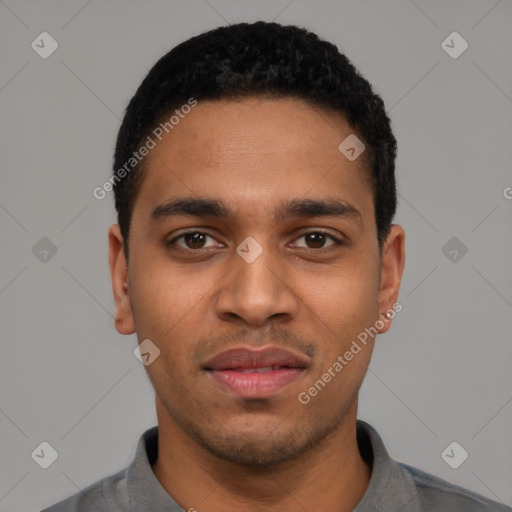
point(197, 240)
point(317, 239)
point(192, 240)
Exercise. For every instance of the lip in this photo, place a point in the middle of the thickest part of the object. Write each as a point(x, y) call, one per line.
point(252, 373)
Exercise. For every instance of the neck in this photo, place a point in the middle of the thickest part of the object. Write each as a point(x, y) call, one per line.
point(330, 476)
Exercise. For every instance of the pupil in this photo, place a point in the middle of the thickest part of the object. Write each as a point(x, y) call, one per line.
point(319, 239)
point(194, 238)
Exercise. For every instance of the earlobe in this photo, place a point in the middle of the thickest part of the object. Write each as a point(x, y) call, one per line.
point(123, 320)
point(392, 266)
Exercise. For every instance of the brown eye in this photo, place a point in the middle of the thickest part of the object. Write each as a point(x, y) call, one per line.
point(317, 239)
point(191, 240)
point(194, 240)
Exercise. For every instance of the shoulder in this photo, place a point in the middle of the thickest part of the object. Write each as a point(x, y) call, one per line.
point(97, 497)
point(435, 494)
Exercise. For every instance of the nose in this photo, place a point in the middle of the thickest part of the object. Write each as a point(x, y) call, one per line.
point(255, 293)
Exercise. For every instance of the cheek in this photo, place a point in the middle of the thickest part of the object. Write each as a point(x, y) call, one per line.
point(344, 309)
point(344, 306)
point(345, 300)
point(166, 296)
point(172, 306)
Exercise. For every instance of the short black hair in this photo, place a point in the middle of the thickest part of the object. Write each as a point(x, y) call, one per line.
point(258, 59)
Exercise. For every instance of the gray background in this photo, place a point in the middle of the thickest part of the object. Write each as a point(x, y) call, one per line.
point(443, 372)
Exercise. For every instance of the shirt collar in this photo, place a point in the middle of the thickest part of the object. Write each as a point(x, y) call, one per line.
point(144, 489)
point(390, 487)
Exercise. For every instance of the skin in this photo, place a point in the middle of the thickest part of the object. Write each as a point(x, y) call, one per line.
point(310, 296)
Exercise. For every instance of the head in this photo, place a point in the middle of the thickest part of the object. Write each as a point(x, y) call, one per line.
point(242, 224)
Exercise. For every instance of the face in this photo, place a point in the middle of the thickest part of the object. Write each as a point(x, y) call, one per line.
point(254, 265)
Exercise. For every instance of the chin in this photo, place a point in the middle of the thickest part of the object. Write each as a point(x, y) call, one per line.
point(263, 447)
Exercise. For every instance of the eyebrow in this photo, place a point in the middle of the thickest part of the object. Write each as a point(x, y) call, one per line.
point(213, 208)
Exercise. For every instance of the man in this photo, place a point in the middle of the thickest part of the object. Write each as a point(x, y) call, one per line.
point(256, 260)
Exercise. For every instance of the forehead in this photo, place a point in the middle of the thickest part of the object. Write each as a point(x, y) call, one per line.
point(254, 152)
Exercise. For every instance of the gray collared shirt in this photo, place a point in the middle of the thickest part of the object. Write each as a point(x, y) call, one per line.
point(393, 487)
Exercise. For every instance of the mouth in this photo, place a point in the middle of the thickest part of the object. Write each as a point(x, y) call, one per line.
point(255, 374)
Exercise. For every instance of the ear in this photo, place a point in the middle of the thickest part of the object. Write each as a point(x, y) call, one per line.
point(124, 323)
point(392, 266)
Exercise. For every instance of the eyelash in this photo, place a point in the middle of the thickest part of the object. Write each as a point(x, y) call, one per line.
point(337, 241)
